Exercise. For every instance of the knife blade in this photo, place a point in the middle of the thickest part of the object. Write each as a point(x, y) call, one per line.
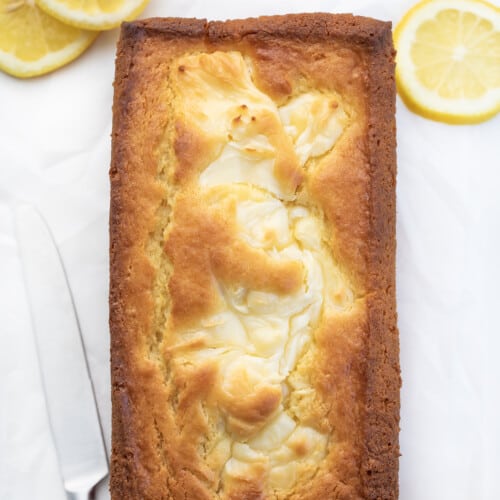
point(66, 381)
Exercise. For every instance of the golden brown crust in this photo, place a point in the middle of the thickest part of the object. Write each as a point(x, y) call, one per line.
point(356, 375)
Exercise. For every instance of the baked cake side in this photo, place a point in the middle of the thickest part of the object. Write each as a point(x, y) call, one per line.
point(254, 348)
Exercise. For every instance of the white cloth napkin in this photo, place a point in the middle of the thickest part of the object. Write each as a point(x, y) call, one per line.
point(54, 153)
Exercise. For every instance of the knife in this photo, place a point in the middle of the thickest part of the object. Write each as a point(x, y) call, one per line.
point(66, 382)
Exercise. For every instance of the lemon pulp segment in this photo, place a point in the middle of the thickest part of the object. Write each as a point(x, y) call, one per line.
point(33, 43)
point(448, 62)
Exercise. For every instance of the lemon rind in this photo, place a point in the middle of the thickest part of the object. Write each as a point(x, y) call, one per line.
point(100, 22)
point(452, 118)
point(416, 96)
point(49, 62)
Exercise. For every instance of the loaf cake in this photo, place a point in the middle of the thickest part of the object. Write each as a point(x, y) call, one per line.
point(254, 347)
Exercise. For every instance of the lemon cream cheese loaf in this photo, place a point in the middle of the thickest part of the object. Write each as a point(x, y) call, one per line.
point(254, 347)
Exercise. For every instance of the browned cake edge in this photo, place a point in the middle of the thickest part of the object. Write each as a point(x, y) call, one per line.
point(380, 462)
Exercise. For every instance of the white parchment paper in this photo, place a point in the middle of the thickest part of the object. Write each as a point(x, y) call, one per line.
point(54, 153)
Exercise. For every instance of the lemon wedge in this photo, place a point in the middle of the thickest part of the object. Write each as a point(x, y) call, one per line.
point(93, 14)
point(33, 43)
point(448, 60)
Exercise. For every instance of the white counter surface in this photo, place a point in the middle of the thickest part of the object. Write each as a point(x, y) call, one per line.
point(54, 153)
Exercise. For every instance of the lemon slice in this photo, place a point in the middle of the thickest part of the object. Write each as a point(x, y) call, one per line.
point(448, 60)
point(33, 43)
point(93, 14)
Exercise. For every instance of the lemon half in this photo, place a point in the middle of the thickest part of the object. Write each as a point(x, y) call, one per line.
point(448, 60)
point(93, 14)
point(33, 43)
